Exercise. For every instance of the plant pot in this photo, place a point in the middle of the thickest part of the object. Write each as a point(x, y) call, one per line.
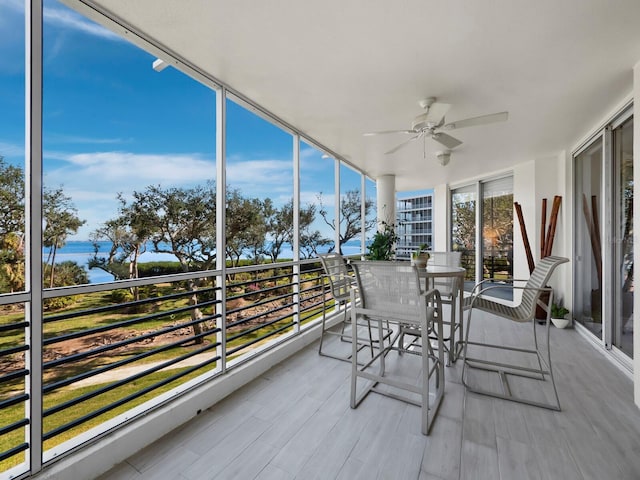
point(560, 322)
point(420, 261)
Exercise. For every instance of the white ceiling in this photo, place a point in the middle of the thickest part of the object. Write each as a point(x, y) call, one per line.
point(338, 68)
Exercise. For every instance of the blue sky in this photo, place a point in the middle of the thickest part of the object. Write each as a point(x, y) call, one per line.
point(113, 124)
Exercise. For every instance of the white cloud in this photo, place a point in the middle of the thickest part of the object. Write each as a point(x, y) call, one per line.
point(135, 170)
point(60, 138)
point(68, 19)
point(261, 178)
point(92, 180)
point(8, 149)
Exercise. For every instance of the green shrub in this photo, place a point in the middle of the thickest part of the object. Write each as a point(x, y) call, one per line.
point(57, 303)
point(122, 295)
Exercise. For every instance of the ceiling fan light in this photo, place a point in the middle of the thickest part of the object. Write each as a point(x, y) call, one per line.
point(443, 157)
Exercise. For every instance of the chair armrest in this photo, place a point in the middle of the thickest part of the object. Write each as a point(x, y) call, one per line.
point(493, 279)
point(434, 294)
point(513, 287)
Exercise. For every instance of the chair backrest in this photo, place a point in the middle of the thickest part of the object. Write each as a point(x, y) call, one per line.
point(391, 289)
point(446, 285)
point(335, 269)
point(538, 279)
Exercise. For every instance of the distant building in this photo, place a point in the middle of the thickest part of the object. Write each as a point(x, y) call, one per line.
point(415, 224)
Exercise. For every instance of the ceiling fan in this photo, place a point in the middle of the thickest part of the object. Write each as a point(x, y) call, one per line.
point(431, 123)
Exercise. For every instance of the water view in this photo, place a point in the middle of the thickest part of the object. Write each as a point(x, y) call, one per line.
point(81, 251)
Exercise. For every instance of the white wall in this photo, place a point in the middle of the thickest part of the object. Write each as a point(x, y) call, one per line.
point(524, 192)
point(532, 181)
point(550, 181)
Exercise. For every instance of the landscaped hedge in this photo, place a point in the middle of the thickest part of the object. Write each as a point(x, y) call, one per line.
point(150, 269)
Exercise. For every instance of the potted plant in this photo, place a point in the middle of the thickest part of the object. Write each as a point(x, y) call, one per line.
point(558, 314)
point(383, 244)
point(420, 257)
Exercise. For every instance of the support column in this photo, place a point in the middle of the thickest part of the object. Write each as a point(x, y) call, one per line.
point(440, 216)
point(386, 199)
point(636, 240)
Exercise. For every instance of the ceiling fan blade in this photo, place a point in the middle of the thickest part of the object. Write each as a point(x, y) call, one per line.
point(403, 144)
point(436, 112)
point(481, 120)
point(446, 140)
point(385, 132)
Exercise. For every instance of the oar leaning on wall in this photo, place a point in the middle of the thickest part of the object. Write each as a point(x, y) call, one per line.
point(547, 236)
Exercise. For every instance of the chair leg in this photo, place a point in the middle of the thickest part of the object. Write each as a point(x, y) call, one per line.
point(324, 320)
point(325, 331)
point(344, 337)
point(359, 369)
point(504, 369)
point(354, 359)
point(465, 346)
point(426, 424)
point(430, 408)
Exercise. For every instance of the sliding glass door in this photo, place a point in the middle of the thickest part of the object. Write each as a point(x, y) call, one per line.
point(483, 230)
point(463, 228)
point(622, 318)
point(603, 268)
point(587, 303)
point(497, 228)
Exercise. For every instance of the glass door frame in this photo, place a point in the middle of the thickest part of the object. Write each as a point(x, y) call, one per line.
point(609, 184)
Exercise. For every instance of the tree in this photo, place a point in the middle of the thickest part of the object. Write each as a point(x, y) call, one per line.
point(256, 235)
point(310, 242)
point(497, 222)
point(128, 233)
point(463, 230)
point(69, 273)
point(280, 230)
point(181, 222)
point(11, 199)
point(464, 224)
point(497, 233)
point(350, 216)
point(12, 265)
point(12, 228)
point(61, 220)
point(245, 226)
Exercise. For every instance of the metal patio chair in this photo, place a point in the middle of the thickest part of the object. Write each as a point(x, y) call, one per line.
point(390, 292)
point(340, 285)
point(525, 311)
